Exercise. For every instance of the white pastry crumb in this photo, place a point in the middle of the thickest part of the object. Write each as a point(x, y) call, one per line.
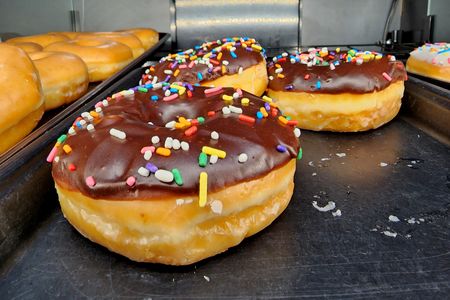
point(330, 206)
point(314, 174)
point(412, 221)
point(325, 158)
point(373, 229)
point(390, 233)
point(383, 164)
point(206, 278)
point(393, 218)
point(337, 213)
point(311, 164)
point(179, 201)
point(217, 206)
point(341, 154)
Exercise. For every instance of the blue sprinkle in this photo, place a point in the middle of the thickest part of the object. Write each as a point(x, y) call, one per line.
point(199, 76)
point(154, 98)
point(148, 86)
point(233, 54)
point(281, 148)
point(197, 84)
point(318, 85)
point(259, 115)
point(151, 167)
point(173, 90)
point(267, 106)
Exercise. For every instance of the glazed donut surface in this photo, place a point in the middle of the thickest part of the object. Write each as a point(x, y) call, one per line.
point(42, 39)
point(125, 38)
point(21, 96)
point(147, 36)
point(233, 62)
point(64, 77)
point(431, 60)
point(102, 57)
point(28, 47)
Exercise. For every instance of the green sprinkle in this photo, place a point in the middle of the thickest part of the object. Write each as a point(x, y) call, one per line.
point(142, 89)
point(177, 176)
point(202, 160)
point(288, 118)
point(62, 139)
point(300, 154)
point(201, 120)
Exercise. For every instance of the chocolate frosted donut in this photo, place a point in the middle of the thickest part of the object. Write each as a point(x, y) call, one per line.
point(176, 174)
point(337, 91)
point(233, 62)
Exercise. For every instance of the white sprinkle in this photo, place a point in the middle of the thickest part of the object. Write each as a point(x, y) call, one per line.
point(82, 123)
point(168, 72)
point(90, 127)
point(392, 58)
point(150, 123)
point(383, 164)
point(105, 103)
point(284, 54)
point(143, 172)
point(297, 132)
point(157, 86)
point(240, 70)
point(279, 70)
point(148, 154)
point(274, 59)
point(242, 158)
point(184, 146)
point(176, 144)
point(341, 154)
point(164, 176)
point(225, 62)
point(214, 135)
point(98, 109)
point(168, 143)
point(311, 164)
point(170, 124)
point(234, 109)
point(330, 206)
point(72, 131)
point(393, 219)
point(226, 110)
point(213, 159)
point(155, 139)
point(292, 61)
point(206, 278)
point(337, 213)
point(270, 77)
point(217, 206)
point(117, 133)
point(56, 159)
point(389, 233)
point(235, 95)
point(167, 93)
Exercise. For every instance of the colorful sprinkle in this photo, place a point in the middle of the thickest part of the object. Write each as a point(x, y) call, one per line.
point(177, 176)
point(203, 189)
point(214, 151)
point(90, 181)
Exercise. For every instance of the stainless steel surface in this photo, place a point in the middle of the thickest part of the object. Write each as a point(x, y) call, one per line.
point(272, 23)
point(440, 9)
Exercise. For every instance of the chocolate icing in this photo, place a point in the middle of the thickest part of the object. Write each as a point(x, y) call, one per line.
point(246, 57)
point(347, 77)
point(111, 160)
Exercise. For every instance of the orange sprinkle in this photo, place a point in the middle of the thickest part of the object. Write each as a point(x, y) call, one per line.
point(283, 120)
point(163, 151)
point(246, 118)
point(67, 149)
point(191, 131)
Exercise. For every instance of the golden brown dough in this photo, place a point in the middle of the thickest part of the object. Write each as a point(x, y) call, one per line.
point(147, 36)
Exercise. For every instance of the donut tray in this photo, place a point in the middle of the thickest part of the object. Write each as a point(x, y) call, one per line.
point(392, 238)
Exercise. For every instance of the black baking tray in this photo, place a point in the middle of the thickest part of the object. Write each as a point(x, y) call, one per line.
point(397, 170)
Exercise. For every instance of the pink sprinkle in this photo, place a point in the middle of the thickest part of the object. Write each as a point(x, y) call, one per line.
point(332, 67)
point(171, 97)
point(183, 66)
point(191, 64)
point(239, 91)
point(99, 104)
point(434, 61)
point(147, 148)
point(213, 90)
point(90, 181)
point(387, 77)
point(131, 180)
point(216, 69)
point(52, 154)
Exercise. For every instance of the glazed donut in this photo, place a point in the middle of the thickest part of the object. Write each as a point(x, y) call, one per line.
point(102, 57)
point(21, 97)
point(231, 62)
point(222, 170)
point(68, 34)
point(28, 47)
point(64, 77)
point(42, 39)
point(431, 60)
point(337, 91)
point(147, 36)
point(125, 38)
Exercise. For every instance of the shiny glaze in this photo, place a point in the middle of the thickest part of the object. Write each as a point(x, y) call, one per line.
point(111, 160)
point(246, 57)
point(347, 77)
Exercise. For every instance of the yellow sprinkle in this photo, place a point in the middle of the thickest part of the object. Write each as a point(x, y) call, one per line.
point(182, 120)
point(264, 112)
point(338, 50)
point(177, 71)
point(244, 45)
point(94, 114)
point(203, 189)
point(163, 151)
point(227, 98)
point(219, 56)
point(366, 57)
point(207, 55)
point(224, 70)
point(256, 47)
point(267, 99)
point(214, 151)
point(283, 120)
point(67, 149)
point(245, 101)
point(273, 104)
point(378, 57)
point(280, 75)
point(180, 125)
point(277, 66)
point(193, 57)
